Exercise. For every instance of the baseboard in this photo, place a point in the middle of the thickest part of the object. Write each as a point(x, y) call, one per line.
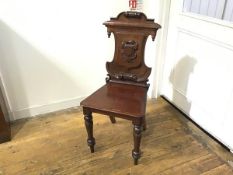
point(47, 108)
point(209, 133)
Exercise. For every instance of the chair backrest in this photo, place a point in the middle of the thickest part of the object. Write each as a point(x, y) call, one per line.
point(131, 30)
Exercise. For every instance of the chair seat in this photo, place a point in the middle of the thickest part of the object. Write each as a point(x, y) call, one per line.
point(119, 99)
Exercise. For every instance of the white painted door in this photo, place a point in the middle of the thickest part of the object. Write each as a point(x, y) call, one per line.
point(198, 68)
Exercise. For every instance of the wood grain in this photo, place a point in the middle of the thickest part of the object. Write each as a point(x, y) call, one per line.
point(56, 144)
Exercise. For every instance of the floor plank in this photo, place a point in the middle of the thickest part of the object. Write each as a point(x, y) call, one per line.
point(56, 144)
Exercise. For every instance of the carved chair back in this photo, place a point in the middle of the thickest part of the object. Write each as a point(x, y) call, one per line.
point(130, 30)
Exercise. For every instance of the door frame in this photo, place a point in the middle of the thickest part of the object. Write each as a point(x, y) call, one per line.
point(163, 20)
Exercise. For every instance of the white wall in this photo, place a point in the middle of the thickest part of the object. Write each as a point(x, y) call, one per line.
point(53, 52)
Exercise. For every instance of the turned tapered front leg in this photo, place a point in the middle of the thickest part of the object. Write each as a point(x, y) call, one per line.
point(89, 128)
point(137, 130)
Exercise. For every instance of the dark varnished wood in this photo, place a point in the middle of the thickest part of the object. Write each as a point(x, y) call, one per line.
point(113, 120)
point(130, 30)
point(89, 127)
point(144, 124)
point(137, 133)
point(5, 132)
point(125, 92)
point(118, 99)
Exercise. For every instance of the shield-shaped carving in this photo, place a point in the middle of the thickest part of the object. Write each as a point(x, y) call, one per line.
point(129, 50)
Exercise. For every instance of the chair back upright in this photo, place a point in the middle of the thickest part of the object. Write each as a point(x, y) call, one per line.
point(130, 30)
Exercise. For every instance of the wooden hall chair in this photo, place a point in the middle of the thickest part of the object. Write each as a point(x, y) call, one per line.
point(125, 92)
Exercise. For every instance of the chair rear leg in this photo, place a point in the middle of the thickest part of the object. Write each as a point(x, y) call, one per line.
point(113, 120)
point(144, 126)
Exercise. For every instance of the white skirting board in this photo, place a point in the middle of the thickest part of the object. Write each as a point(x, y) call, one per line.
point(43, 109)
point(181, 108)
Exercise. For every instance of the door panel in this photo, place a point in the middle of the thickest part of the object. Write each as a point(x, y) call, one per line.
point(198, 70)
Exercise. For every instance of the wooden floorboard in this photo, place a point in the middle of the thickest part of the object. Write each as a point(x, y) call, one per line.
point(56, 144)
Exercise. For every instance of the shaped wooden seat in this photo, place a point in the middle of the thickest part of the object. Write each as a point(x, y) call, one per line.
point(125, 92)
point(122, 101)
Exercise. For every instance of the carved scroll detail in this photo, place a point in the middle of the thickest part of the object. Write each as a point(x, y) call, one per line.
point(125, 76)
point(129, 50)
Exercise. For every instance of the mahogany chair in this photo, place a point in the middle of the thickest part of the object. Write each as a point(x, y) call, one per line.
point(125, 93)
